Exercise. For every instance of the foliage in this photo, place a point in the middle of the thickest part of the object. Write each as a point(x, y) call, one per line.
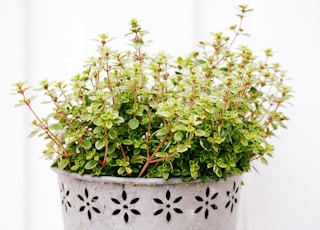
point(206, 115)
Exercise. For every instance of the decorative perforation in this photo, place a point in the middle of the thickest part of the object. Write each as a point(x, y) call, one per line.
point(167, 206)
point(87, 203)
point(64, 197)
point(232, 195)
point(207, 203)
point(125, 206)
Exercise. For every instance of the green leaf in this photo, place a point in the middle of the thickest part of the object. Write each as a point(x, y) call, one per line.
point(137, 159)
point(98, 129)
point(63, 163)
point(219, 140)
point(176, 172)
point(90, 165)
point(178, 136)
point(263, 160)
point(75, 168)
point(98, 122)
point(109, 124)
point(165, 175)
point(235, 171)
point(100, 144)
point(119, 162)
point(128, 170)
point(162, 132)
point(133, 123)
point(34, 133)
point(165, 114)
point(118, 120)
point(86, 144)
point(90, 154)
point(220, 163)
point(194, 174)
point(112, 134)
point(181, 127)
point(56, 126)
point(127, 142)
point(205, 145)
point(182, 148)
point(200, 132)
point(87, 100)
point(217, 170)
point(121, 171)
point(161, 154)
point(224, 69)
point(85, 117)
point(111, 147)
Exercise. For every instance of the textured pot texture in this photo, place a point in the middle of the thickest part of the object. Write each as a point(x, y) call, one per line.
point(98, 203)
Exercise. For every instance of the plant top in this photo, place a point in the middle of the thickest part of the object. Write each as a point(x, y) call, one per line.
point(206, 115)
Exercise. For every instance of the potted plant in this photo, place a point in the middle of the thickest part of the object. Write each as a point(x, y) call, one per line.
point(154, 141)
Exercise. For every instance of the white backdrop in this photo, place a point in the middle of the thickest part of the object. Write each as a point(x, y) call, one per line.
point(51, 39)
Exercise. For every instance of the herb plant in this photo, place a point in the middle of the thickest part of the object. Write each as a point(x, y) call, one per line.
point(206, 115)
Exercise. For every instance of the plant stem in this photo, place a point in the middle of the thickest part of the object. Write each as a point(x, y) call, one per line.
point(134, 95)
point(149, 160)
point(44, 127)
point(164, 158)
point(123, 153)
point(106, 152)
point(107, 69)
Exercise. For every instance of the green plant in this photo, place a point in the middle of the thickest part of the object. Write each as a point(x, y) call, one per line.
point(206, 115)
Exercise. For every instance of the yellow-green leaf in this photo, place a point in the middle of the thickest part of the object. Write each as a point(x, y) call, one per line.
point(63, 163)
point(178, 136)
point(200, 132)
point(133, 123)
point(100, 144)
point(86, 144)
point(90, 164)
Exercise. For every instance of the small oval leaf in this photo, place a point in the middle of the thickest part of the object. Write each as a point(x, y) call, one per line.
point(86, 144)
point(90, 164)
point(63, 163)
point(100, 144)
point(133, 123)
point(178, 136)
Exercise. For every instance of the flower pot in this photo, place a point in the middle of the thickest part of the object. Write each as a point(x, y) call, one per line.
point(138, 203)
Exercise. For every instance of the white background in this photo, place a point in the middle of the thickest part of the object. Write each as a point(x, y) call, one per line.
point(51, 39)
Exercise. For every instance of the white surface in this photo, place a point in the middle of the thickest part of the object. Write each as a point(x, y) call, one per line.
point(100, 193)
point(51, 39)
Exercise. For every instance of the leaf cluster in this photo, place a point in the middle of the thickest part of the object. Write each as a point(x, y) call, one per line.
point(205, 115)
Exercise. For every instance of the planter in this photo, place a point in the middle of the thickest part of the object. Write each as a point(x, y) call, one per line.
point(138, 203)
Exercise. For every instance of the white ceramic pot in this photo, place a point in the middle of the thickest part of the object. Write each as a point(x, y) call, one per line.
point(99, 203)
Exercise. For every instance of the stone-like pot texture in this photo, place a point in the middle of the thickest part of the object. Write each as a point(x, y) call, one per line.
point(99, 203)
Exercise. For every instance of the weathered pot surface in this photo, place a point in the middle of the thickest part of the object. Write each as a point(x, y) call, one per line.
point(98, 203)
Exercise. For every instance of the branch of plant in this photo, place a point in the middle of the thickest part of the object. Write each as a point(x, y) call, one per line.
point(106, 152)
point(123, 153)
point(165, 158)
point(153, 154)
point(236, 34)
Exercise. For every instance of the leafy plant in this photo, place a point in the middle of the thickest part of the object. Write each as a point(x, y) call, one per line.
point(206, 115)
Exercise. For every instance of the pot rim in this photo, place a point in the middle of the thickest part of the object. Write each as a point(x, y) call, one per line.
point(130, 180)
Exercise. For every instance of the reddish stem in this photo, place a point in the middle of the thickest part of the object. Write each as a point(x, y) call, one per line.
point(153, 155)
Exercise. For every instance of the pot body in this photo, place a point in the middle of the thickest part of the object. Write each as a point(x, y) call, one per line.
point(98, 203)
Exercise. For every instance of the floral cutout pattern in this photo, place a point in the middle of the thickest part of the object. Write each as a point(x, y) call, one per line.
point(88, 203)
point(207, 203)
point(64, 197)
point(168, 206)
point(232, 195)
point(203, 203)
point(125, 206)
